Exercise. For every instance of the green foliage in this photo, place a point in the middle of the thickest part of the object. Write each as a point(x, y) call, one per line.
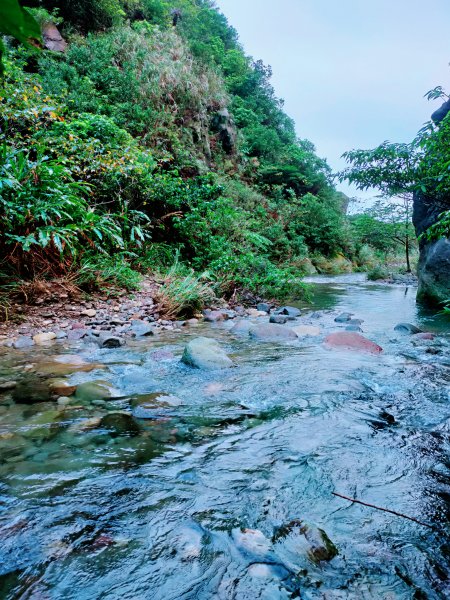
point(378, 272)
point(107, 273)
point(17, 22)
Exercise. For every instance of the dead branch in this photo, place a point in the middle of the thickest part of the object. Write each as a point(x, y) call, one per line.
point(392, 512)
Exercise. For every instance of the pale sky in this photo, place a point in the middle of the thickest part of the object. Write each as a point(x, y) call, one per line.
point(353, 73)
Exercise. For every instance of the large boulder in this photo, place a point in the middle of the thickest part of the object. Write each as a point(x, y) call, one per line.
point(206, 353)
point(433, 269)
point(348, 340)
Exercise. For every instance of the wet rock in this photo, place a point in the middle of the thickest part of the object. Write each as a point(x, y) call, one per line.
point(44, 338)
point(407, 328)
point(141, 328)
point(31, 391)
point(352, 341)
point(213, 316)
point(278, 319)
point(252, 542)
point(191, 322)
point(23, 342)
point(63, 401)
point(297, 539)
point(65, 364)
point(120, 423)
point(110, 341)
point(242, 327)
point(263, 307)
point(149, 406)
point(61, 387)
point(424, 335)
point(343, 317)
point(60, 335)
point(76, 334)
point(6, 386)
point(94, 390)
point(206, 353)
point(353, 328)
point(272, 332)
point(306, 330)
point(290, 311)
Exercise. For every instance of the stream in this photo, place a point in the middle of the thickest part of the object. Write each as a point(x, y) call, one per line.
point(195, 496)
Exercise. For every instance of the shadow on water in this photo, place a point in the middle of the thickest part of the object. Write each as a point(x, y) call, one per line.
point(178, 483)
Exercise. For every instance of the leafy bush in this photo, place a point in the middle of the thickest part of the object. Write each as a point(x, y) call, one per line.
point(378, 272)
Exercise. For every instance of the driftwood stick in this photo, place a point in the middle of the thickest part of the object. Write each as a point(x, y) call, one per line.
point(392, 512)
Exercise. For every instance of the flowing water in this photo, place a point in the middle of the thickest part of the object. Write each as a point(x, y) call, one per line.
point(187, 503)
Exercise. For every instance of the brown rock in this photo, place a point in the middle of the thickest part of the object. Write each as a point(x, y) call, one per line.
point(53, 40)
point(348, 340)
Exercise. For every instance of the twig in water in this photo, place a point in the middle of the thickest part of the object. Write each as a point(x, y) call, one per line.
point(392, 512)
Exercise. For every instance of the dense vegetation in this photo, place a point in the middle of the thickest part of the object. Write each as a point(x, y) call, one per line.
point(154, 142)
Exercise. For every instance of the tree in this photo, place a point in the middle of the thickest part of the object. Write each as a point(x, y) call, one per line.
point(393, 170)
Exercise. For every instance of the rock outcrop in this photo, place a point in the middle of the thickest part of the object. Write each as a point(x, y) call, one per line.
point(434, 263)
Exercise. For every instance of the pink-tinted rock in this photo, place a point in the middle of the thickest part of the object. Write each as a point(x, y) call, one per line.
point(53, 40)
point(425, 335)
point(352, 341)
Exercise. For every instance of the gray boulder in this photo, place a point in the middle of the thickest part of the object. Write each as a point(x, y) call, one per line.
point(408, 328)
point(141, 328)
point(23, 342)
point(263, 307)
point(344, 317)
point(289, 311)
point(206, 353)
point(272, 332)
point(242, 327)
point(278, 319)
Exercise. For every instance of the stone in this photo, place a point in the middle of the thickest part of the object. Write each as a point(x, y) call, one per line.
point(31, 391)
point(53, 40)
point(253, 312)
point(272, 332)
point(110, 341)
point(149, 406)
point(278, 319)
point(63, 401)
point(241, 327)
point(206, 353)
point(353, 328)
point(120, 423)
point(263, 307)
point(90, 312)
point(191, 322)
point(344, 317)
point(6, 386)
point(94, 390)
point(349, 340)
point(213, 316)
point(252, 542)
point(297, 539)
point(76, 334)
point(61, 387)
point(290, 311)
point(407, 328)
point(60, 335)
point(306, 330)
point(44, 338)
point(141, 328)
point(424, 335)
point(23, 342)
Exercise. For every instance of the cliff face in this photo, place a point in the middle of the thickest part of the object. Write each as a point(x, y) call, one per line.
point(434, 261)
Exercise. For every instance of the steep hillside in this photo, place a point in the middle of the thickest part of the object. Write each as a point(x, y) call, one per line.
point(154, 140)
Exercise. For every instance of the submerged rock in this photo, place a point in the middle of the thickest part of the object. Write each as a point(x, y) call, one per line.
point(407, 328)
point(272, 332)
point(120, 423)
point(94, 390)
point(297, 539)
point(352, 341)
point(148, 406)
point(206, 353)
point(61, 387)
point(252, 542)
point(31, 391)
point(242, 327)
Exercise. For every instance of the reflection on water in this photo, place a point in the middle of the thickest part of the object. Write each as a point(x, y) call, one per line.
point(94, 507)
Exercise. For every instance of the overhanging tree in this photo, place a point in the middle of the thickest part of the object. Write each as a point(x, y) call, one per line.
point(392, 170)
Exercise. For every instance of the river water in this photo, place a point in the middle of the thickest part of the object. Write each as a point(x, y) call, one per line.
point(187, 505)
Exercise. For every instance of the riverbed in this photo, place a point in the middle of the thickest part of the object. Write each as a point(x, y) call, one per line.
point(189, 504)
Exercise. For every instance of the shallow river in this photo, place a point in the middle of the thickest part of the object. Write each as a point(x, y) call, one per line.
point(189, 502)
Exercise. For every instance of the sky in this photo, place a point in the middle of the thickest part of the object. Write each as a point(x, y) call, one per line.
point(353, 73)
